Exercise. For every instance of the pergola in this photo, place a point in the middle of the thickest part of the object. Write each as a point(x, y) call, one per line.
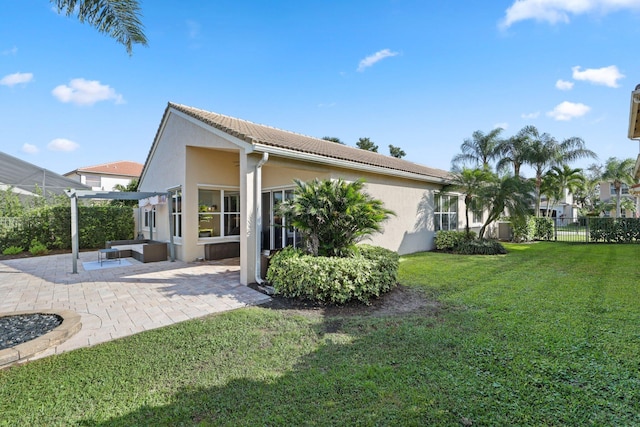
point(74, 195)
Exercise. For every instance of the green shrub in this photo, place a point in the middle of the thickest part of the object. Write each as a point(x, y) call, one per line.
point(38, 248)
point(13, 250)
point(367, 274)
point(449, 240)
point(481, 247)
point(543, 228)
point(611, 230)
point(524, 229)
point(51, 226)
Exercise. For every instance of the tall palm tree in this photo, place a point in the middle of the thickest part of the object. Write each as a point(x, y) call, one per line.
point(480, 150)
point(513, 151)
point(544, 151)
point(119, 19)
point(618, 172)
point(469, 182)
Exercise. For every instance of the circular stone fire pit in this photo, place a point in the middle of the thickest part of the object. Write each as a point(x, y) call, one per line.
point(27, 333)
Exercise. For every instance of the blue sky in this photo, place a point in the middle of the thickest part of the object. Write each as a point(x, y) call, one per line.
point(419, 75)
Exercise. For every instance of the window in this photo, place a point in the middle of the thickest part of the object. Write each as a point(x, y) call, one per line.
point(476, 210)
point(93, 181)
point(176, 211)
point(446, 212)
point(150, 218)
point(624, 189)
point(218, 213)
point(275, 232)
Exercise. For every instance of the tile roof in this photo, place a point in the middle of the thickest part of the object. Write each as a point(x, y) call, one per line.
point(265, 135)
point(122, 168)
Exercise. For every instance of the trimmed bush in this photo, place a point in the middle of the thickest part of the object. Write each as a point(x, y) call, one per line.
point(51, 226)
point(449, 240)
point(543, 228)
point(480, 247)
point(370, 272)
point(524, 229)
point(611, 230)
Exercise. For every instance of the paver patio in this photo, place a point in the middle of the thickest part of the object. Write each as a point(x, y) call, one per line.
point(122, 300)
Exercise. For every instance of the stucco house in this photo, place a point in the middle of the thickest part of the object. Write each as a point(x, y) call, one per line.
point(225, 177)
point(106, 176)
point(634, 134)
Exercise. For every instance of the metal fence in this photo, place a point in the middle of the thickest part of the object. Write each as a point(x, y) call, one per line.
point(595, 229)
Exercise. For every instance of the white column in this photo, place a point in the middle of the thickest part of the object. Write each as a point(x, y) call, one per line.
point(248, 230)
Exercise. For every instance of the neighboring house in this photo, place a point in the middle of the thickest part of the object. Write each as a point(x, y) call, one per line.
point(226, 176)
point(565, 208)
point(28, 180)
point(608, 195)
point(106, 176)
point(634, 133)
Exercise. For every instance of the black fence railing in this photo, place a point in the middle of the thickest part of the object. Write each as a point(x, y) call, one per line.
point(595, 229)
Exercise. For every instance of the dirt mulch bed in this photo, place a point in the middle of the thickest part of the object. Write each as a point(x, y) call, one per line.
point(399, 301)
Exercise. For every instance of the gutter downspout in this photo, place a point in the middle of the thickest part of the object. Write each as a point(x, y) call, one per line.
point(258, 213)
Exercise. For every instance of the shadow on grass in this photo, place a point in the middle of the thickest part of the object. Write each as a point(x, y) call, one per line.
point(343, 382)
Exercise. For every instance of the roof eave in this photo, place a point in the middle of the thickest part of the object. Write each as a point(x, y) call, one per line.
point(316, 158)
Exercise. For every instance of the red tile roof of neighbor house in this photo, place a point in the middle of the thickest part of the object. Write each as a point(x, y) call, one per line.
point(260, 134)
point(121, 168)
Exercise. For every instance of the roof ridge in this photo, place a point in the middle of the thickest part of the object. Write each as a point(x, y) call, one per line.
point(253, 123)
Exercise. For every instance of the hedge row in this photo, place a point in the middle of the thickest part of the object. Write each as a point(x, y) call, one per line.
point(611, 230)
point(51, 226)
point(371, 272)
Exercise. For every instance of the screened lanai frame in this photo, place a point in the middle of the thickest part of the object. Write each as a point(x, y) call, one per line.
point(74, 195)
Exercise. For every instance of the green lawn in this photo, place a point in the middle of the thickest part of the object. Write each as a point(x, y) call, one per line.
point(548, 334)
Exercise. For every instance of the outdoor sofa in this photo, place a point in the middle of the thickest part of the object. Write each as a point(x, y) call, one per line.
point(143, 250)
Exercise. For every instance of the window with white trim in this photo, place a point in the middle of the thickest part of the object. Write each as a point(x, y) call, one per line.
point(218, 213)
point(276, 234)
point(150, 218)
point(176, 211)
point(445, 212)
point(476, 210)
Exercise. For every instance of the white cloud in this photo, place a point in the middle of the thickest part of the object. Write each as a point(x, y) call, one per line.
point(61, 144)
point(533, 115)
point(327, 105)
point(30, 149)
point(607, 76)
point(16, 78)
point(554, 11)
point(503, 125)
point(564, 85)
point(12, 51)
point(86, 92)
point(372, 59)
point(568, 110)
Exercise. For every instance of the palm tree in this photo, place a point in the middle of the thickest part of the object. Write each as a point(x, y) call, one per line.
point(119, 19)
point(618, 172)
point(469, 182)
point(508, 193)
point(544, 151)
point(479, 150)
point(561, 179)
point(333, 215)
point(512, 151)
